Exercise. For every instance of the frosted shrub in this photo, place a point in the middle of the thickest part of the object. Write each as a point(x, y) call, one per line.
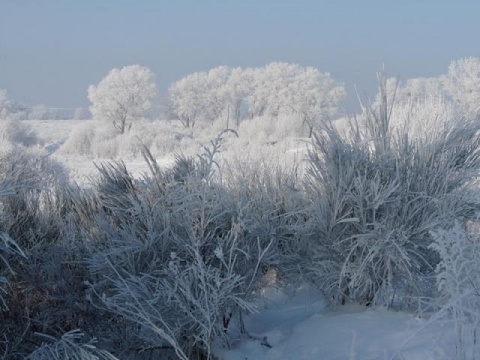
point(273, 206)
point(80, 141)
point(267, 129)
point(189, 299)
point(32, 175)
point(40, 211)
point(461, 83)
point(257, 129)
point(17, 132)
point(8, 247)
point(425, 117)
point(94, 140)
point(105, 143)
point(208, 130)
point(458, 281)
point(161, 137)
point(376, 194)
point(181, 257)
point(458, 272)
point(69, 347)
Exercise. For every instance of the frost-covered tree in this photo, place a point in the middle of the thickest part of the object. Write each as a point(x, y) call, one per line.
point(273, 90)
point(235, 92)
point(413, 90)
point(425, 117)
point(215, 95)
point(185, 97)
point(282, 88)
point(316, 96)
point(463, 83)
point(206, 95)
point(418, 88)
point(420, 106)
point(123, 96)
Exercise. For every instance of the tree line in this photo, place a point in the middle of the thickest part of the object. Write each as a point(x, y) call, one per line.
point(234, 94)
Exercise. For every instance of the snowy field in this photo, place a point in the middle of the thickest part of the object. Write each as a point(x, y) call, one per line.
point(166, 141)
point(239, 180)
point(54, 133)
point(296, 325)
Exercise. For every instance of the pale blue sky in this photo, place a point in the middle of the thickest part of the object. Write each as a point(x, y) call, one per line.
point(52, 50)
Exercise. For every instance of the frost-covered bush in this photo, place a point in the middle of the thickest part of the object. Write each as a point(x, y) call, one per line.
point(273, 206)
point(172, 261)
point(69, 347)
point(181, 253)
point(458, 272)
point(8, 247)
point(376, 194)
point(424, 118)
point(92, 140)
point(161, 137)
point(80, 140)
point(462, 84)
point(458, 281)
point(33, 176)
point(41, 213)
point(189, 299)
point(268, 129)
point(17, 132)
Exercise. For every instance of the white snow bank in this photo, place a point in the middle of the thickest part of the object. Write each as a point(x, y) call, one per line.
point(301, 327)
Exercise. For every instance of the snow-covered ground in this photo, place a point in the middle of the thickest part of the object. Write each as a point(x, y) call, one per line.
point(54, 131)
point(302, 327)
point(289, 153)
